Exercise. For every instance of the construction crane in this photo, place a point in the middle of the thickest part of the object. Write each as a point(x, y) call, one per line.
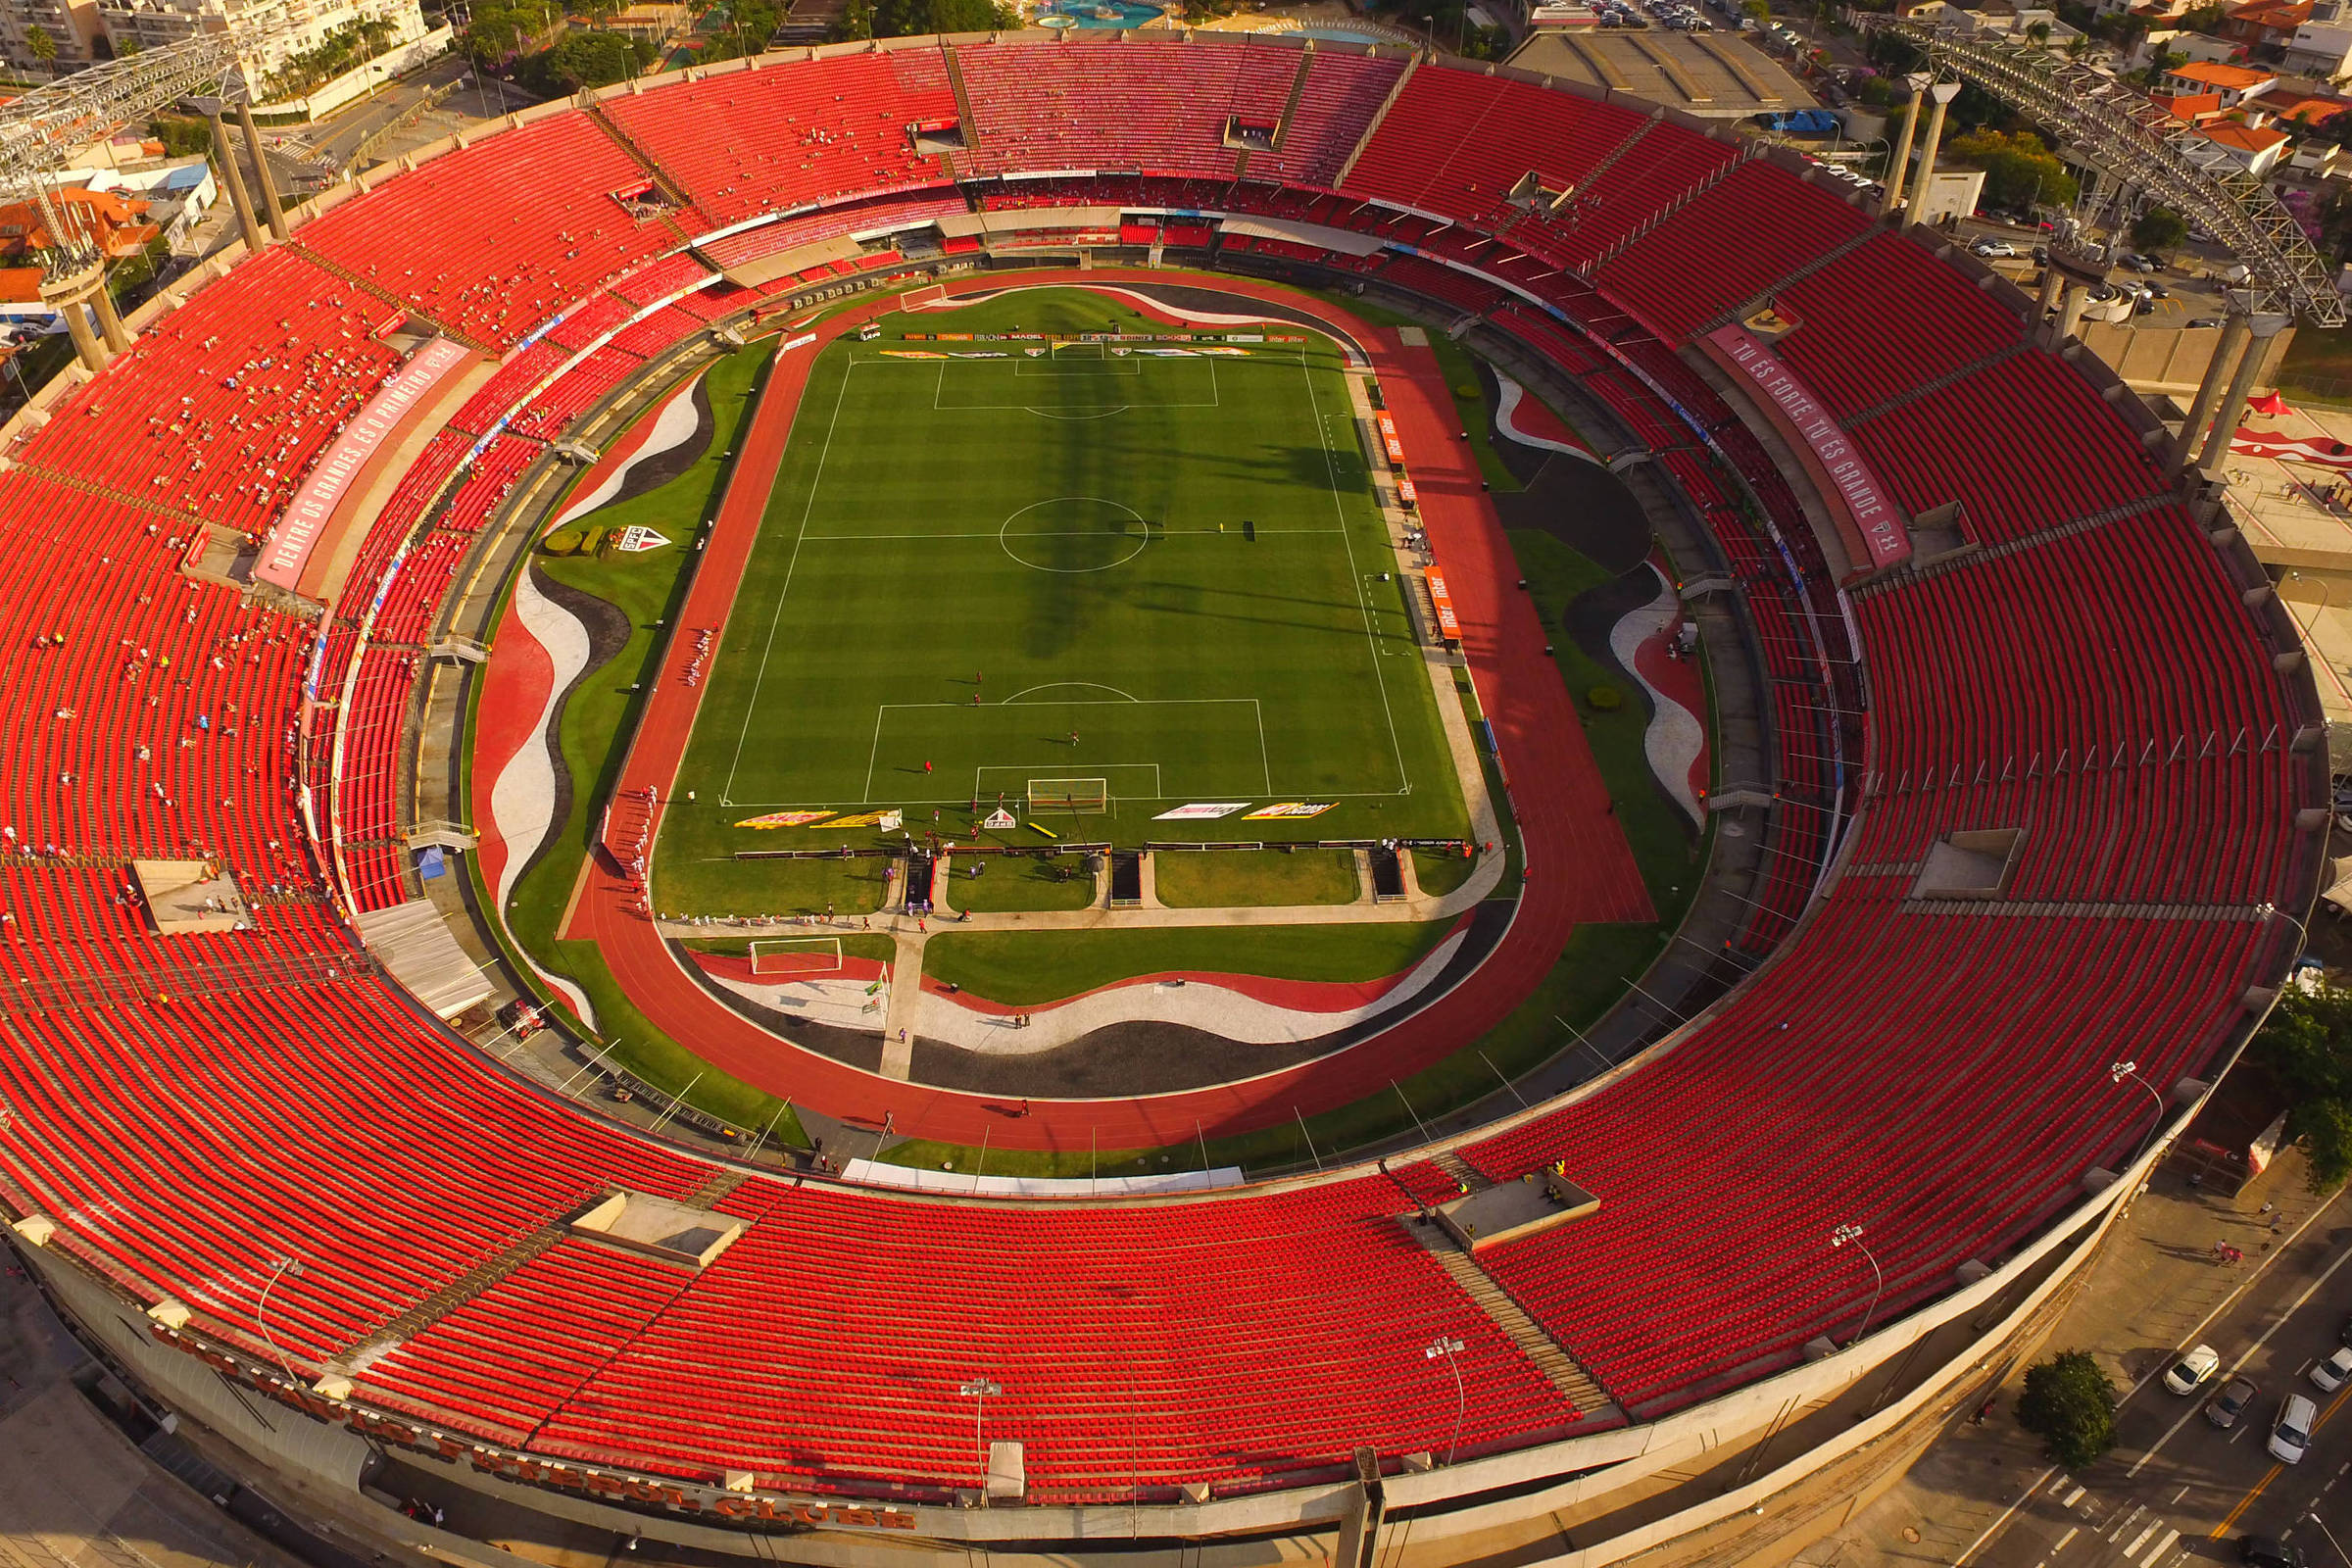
point(2131, 141)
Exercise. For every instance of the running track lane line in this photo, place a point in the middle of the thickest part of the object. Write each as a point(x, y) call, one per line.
point(1579, 863)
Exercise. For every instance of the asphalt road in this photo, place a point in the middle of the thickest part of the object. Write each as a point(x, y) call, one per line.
point(2175, 1490)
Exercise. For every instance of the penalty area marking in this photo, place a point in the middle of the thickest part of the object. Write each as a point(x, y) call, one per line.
point(1266, 764)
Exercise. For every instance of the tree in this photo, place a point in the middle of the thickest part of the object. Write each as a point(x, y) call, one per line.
point(2203, 18)
point(599, 11)
point(40, 44)
point(2018, 170)
point(2069, 1404)
point(182, 136)
point(2307, 1047)
point(2038, 31)
point(2159, 228)
point(584, 59)
point(856, 22)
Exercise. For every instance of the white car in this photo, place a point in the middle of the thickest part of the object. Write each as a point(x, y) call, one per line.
point(2188, 1374)
point(1993, 247)
point(2291, 1434)
point(2335, 1372)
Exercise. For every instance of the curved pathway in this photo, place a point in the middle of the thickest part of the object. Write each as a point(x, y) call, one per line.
point(1578, 862)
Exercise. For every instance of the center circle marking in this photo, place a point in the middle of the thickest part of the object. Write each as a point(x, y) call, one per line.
point(1074, 534)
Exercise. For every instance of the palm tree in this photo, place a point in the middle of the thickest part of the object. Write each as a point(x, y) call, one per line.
point(41, 45)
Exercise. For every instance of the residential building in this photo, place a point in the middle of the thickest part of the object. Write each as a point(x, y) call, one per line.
point(2233, 85)
point(72, 26)
point(2265, 22)
point(2253, 143)
point(284, 28)
point(2323, 47)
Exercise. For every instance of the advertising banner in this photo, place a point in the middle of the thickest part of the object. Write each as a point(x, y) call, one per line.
point(785, 819)
point(1290, 809)
point(1203, 812)
point(1449, 626)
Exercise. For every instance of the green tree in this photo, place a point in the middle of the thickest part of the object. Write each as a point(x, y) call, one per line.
point(599, 11)
point(182, 136)
point(2203, 18)
point(2307, 1047)
point(2018, 170)
point(2069, 1404)
point(584, 59)
point(856, 22)
point(2038, 31)
point(2159, 229)
point(42, 46)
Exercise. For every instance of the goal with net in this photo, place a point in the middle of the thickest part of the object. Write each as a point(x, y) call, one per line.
point(1069, 795)
point(801, 956)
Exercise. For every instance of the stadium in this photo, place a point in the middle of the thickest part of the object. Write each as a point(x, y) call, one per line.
point(1055, 402)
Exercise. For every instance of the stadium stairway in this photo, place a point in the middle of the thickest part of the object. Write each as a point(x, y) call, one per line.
point(379, 291)
point(483, 1277)
point(662, 177)
point(963, 102)
point(1928, 388)
point(1578, 1386)
point(1289, 107)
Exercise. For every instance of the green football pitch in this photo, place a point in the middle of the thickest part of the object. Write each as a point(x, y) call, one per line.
point(1156, 575)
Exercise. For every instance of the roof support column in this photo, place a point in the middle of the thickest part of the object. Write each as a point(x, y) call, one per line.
point(1942, 92)
point(271, 213)
point(2262, 327)
point(2209, 392)
point(225, 157)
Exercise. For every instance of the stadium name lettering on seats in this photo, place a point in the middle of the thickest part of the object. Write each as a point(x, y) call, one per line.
point(746, 1507)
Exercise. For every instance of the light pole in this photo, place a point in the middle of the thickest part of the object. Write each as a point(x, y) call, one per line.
point(2327, 587)
point(977, 1389)
point(2302, 937)
point(2313, 1518)
point(1840, 1237)
point(260, 1311)
point(1444, 1344)
point(2131, 1070)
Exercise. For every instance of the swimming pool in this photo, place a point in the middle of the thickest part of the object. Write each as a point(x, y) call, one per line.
point(1106, 14)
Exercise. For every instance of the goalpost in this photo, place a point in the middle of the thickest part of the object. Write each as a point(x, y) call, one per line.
point(804, 957)
point(1069, 795)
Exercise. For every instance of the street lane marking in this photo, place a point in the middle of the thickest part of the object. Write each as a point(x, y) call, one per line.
point(2063, 1540)
point(2182, 1493)
point(2219, 1307)
point(2277, 1470)
point(2163, 1546)
point(2137, 1542)
point(2072, 1497)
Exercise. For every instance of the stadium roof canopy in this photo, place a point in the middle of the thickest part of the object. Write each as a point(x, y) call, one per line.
point(1712, 76)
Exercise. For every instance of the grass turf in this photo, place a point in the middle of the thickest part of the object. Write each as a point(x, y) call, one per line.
point(1020, 968)
point(1255, 877)
point(1063, 537)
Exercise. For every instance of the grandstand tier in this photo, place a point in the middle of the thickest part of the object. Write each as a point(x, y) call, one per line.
point(186, 1113)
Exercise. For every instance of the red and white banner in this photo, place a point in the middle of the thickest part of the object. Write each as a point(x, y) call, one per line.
point(291, 543)
point(1855, 485)
point(1388, 439)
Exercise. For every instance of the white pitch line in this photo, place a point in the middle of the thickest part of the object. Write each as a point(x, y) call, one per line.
point(815, 483)
point(1363, 602)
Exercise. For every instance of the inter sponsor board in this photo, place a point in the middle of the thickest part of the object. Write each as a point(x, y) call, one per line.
point(1290, 809)
point(1449, 626)
point(330, 479)
point(885, 820)
point(911, 354)
point(1203, 812)
point(785, 819)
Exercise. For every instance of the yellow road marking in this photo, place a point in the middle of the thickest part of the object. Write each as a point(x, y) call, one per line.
point(2277, 1470)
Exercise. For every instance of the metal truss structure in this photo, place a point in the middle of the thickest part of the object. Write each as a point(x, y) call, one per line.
point(2130, 139)
point(40, 130)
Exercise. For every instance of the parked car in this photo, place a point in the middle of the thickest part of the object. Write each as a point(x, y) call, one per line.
point(2335, 1372)
point(1989, 248)
point(2225, 1407)
point(2291, 1434)
point(2188, 1374)
point(2204, 320)
point(2131, 262)
point(2261, 1551)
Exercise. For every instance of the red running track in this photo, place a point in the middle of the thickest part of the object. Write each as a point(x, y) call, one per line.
point(1580, 866)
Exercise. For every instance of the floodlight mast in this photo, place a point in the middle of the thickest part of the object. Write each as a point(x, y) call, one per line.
point(2131, 141)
